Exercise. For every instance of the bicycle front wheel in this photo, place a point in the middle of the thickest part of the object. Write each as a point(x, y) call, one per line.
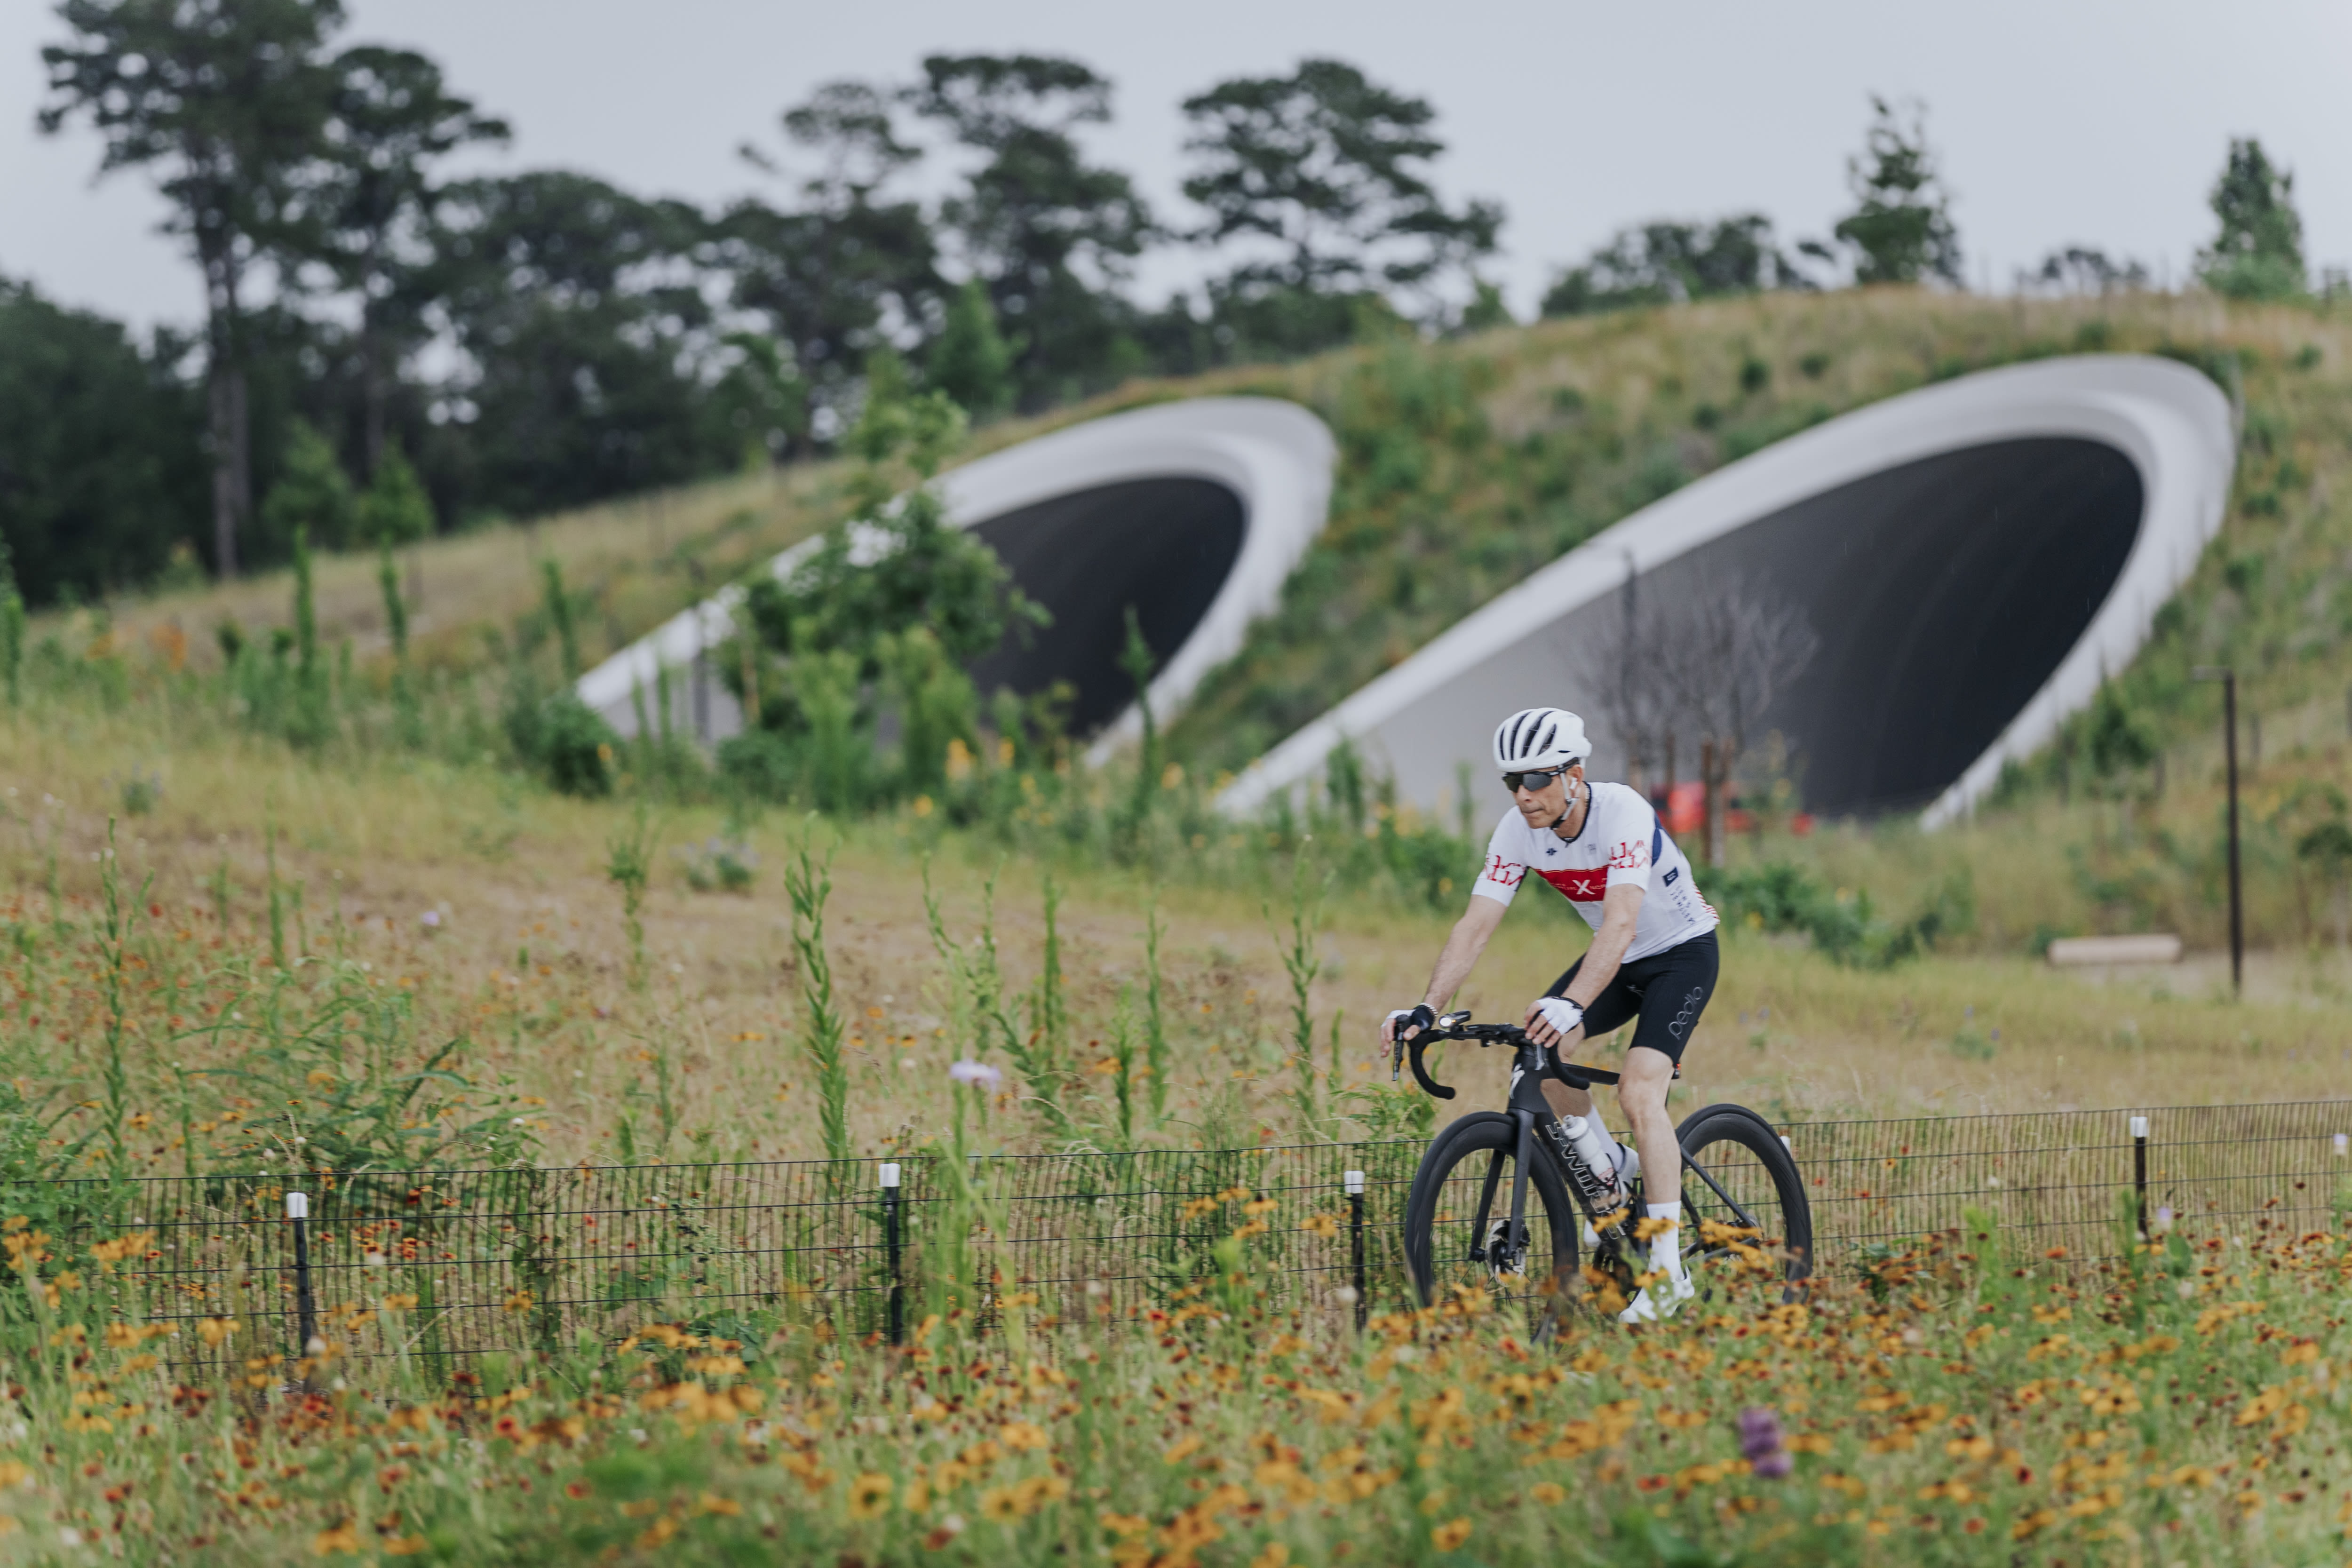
point(1457, 1219)
point(1738, 1173)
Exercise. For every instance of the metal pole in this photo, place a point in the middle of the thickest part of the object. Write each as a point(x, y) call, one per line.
point(2237, 894)
point(2229, 679)
point(306, 1312)
point(2139, 1173)
point(1355, 1183)
point(897, 1314)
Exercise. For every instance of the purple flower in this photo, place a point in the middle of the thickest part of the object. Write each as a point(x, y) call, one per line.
point(1760, 1443)
point(432, 919)
point(974, 1072)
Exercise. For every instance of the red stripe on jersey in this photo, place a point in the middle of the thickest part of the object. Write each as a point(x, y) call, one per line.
point(1582, 886)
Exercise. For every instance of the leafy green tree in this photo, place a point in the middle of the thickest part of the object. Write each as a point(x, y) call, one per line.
point(102, 461)
point(899, 563)
point(1668, 262)
point(2258, 255)
point(1049, 235)
point(587, 340)
point(971, 361)
point(227, 101)
point(1328, 173)
point(312, 494)
point(390, 121)
point(884, 616)
point(852, 263)
point(395, 511)
point(760, 399)
point(1901, 228)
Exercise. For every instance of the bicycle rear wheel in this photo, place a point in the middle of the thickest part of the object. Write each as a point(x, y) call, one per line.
point(1749, 1181)
point(1460, 1205)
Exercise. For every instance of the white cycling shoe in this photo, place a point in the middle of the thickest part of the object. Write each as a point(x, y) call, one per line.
point(1660, 1299)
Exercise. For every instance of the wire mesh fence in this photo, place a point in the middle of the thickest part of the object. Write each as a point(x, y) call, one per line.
point(442, 1266)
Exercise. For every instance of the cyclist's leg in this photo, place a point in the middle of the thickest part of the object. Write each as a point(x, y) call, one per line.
point(1675, 987)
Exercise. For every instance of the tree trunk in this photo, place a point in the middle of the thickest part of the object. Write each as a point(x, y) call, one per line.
point(225, 391)
point(232, 460)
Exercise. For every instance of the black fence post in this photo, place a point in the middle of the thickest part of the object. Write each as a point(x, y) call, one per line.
point(898, 1304)
point(2139, 1174)
point(1355, 1183)
point(306, 1312)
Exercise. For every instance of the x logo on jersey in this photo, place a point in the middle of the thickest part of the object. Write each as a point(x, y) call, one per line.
point(1582, 886)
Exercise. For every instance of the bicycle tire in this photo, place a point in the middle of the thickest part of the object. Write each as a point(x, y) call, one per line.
point(1441, 1211)
point(1748, 1159)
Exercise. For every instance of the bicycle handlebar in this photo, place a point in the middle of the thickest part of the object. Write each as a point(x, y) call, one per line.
point(1458, 1027)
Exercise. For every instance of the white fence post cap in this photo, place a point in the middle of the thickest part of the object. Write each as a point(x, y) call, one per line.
point(298, 1205)
point(2343, 1143)
point(2140, 1126)
point(889, 1174)
point(1355, 1180)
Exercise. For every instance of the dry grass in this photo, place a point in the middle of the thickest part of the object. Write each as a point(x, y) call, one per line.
point(529, 963)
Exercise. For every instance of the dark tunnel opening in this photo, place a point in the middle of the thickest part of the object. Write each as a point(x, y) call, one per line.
point(1162, 545)
point(1945, 593)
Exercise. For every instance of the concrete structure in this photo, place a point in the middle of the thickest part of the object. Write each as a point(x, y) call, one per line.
point(1193, 513)
point(1975, 558)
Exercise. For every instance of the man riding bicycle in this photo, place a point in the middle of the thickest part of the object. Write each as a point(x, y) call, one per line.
point(1653, 957)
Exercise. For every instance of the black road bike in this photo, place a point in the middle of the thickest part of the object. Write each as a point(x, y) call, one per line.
point(1468, 1222)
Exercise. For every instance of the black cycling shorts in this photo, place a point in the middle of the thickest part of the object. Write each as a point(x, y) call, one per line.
point(1665, 993)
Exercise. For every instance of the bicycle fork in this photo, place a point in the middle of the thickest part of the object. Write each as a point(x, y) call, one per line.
point(1506, 1252)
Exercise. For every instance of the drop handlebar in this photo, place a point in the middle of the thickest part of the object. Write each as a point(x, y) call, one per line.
point(1458, 1027)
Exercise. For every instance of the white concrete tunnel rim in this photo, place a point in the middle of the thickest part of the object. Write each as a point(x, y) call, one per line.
point(1276, 456)
point(2170, 420)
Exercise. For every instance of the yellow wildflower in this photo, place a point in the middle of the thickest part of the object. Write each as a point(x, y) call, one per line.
point(869, 1494)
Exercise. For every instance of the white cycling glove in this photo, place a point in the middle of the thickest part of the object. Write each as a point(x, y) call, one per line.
point(1560, 1012)
point(1420, 1015)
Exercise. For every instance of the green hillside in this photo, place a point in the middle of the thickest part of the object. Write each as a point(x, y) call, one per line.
point(1468, 463)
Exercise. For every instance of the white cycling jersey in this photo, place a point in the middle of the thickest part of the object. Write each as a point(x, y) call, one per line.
point(1622, 844)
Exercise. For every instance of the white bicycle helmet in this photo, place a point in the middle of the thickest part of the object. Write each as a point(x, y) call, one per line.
point(1536, 738)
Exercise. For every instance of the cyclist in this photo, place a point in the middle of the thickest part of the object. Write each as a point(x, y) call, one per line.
point(1653, 957)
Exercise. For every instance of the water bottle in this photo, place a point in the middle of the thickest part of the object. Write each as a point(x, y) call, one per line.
point(1590, 1162)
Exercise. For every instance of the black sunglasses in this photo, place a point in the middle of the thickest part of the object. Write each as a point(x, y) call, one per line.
point(1517, 781)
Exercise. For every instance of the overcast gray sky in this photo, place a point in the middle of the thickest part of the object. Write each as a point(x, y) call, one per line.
point(2058, 121)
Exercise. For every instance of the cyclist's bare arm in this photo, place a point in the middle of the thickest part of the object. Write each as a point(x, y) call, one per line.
point(1620, 908)
point(1471, 935)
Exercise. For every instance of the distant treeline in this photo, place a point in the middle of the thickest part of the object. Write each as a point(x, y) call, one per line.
point(542, 340)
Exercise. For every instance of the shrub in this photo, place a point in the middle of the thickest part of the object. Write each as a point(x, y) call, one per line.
point(574, 746)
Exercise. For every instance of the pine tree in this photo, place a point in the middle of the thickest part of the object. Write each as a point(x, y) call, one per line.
point(2258, 255)
point(1901, 229)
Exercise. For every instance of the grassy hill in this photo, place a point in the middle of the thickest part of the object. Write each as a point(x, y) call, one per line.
point(1466, 464)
